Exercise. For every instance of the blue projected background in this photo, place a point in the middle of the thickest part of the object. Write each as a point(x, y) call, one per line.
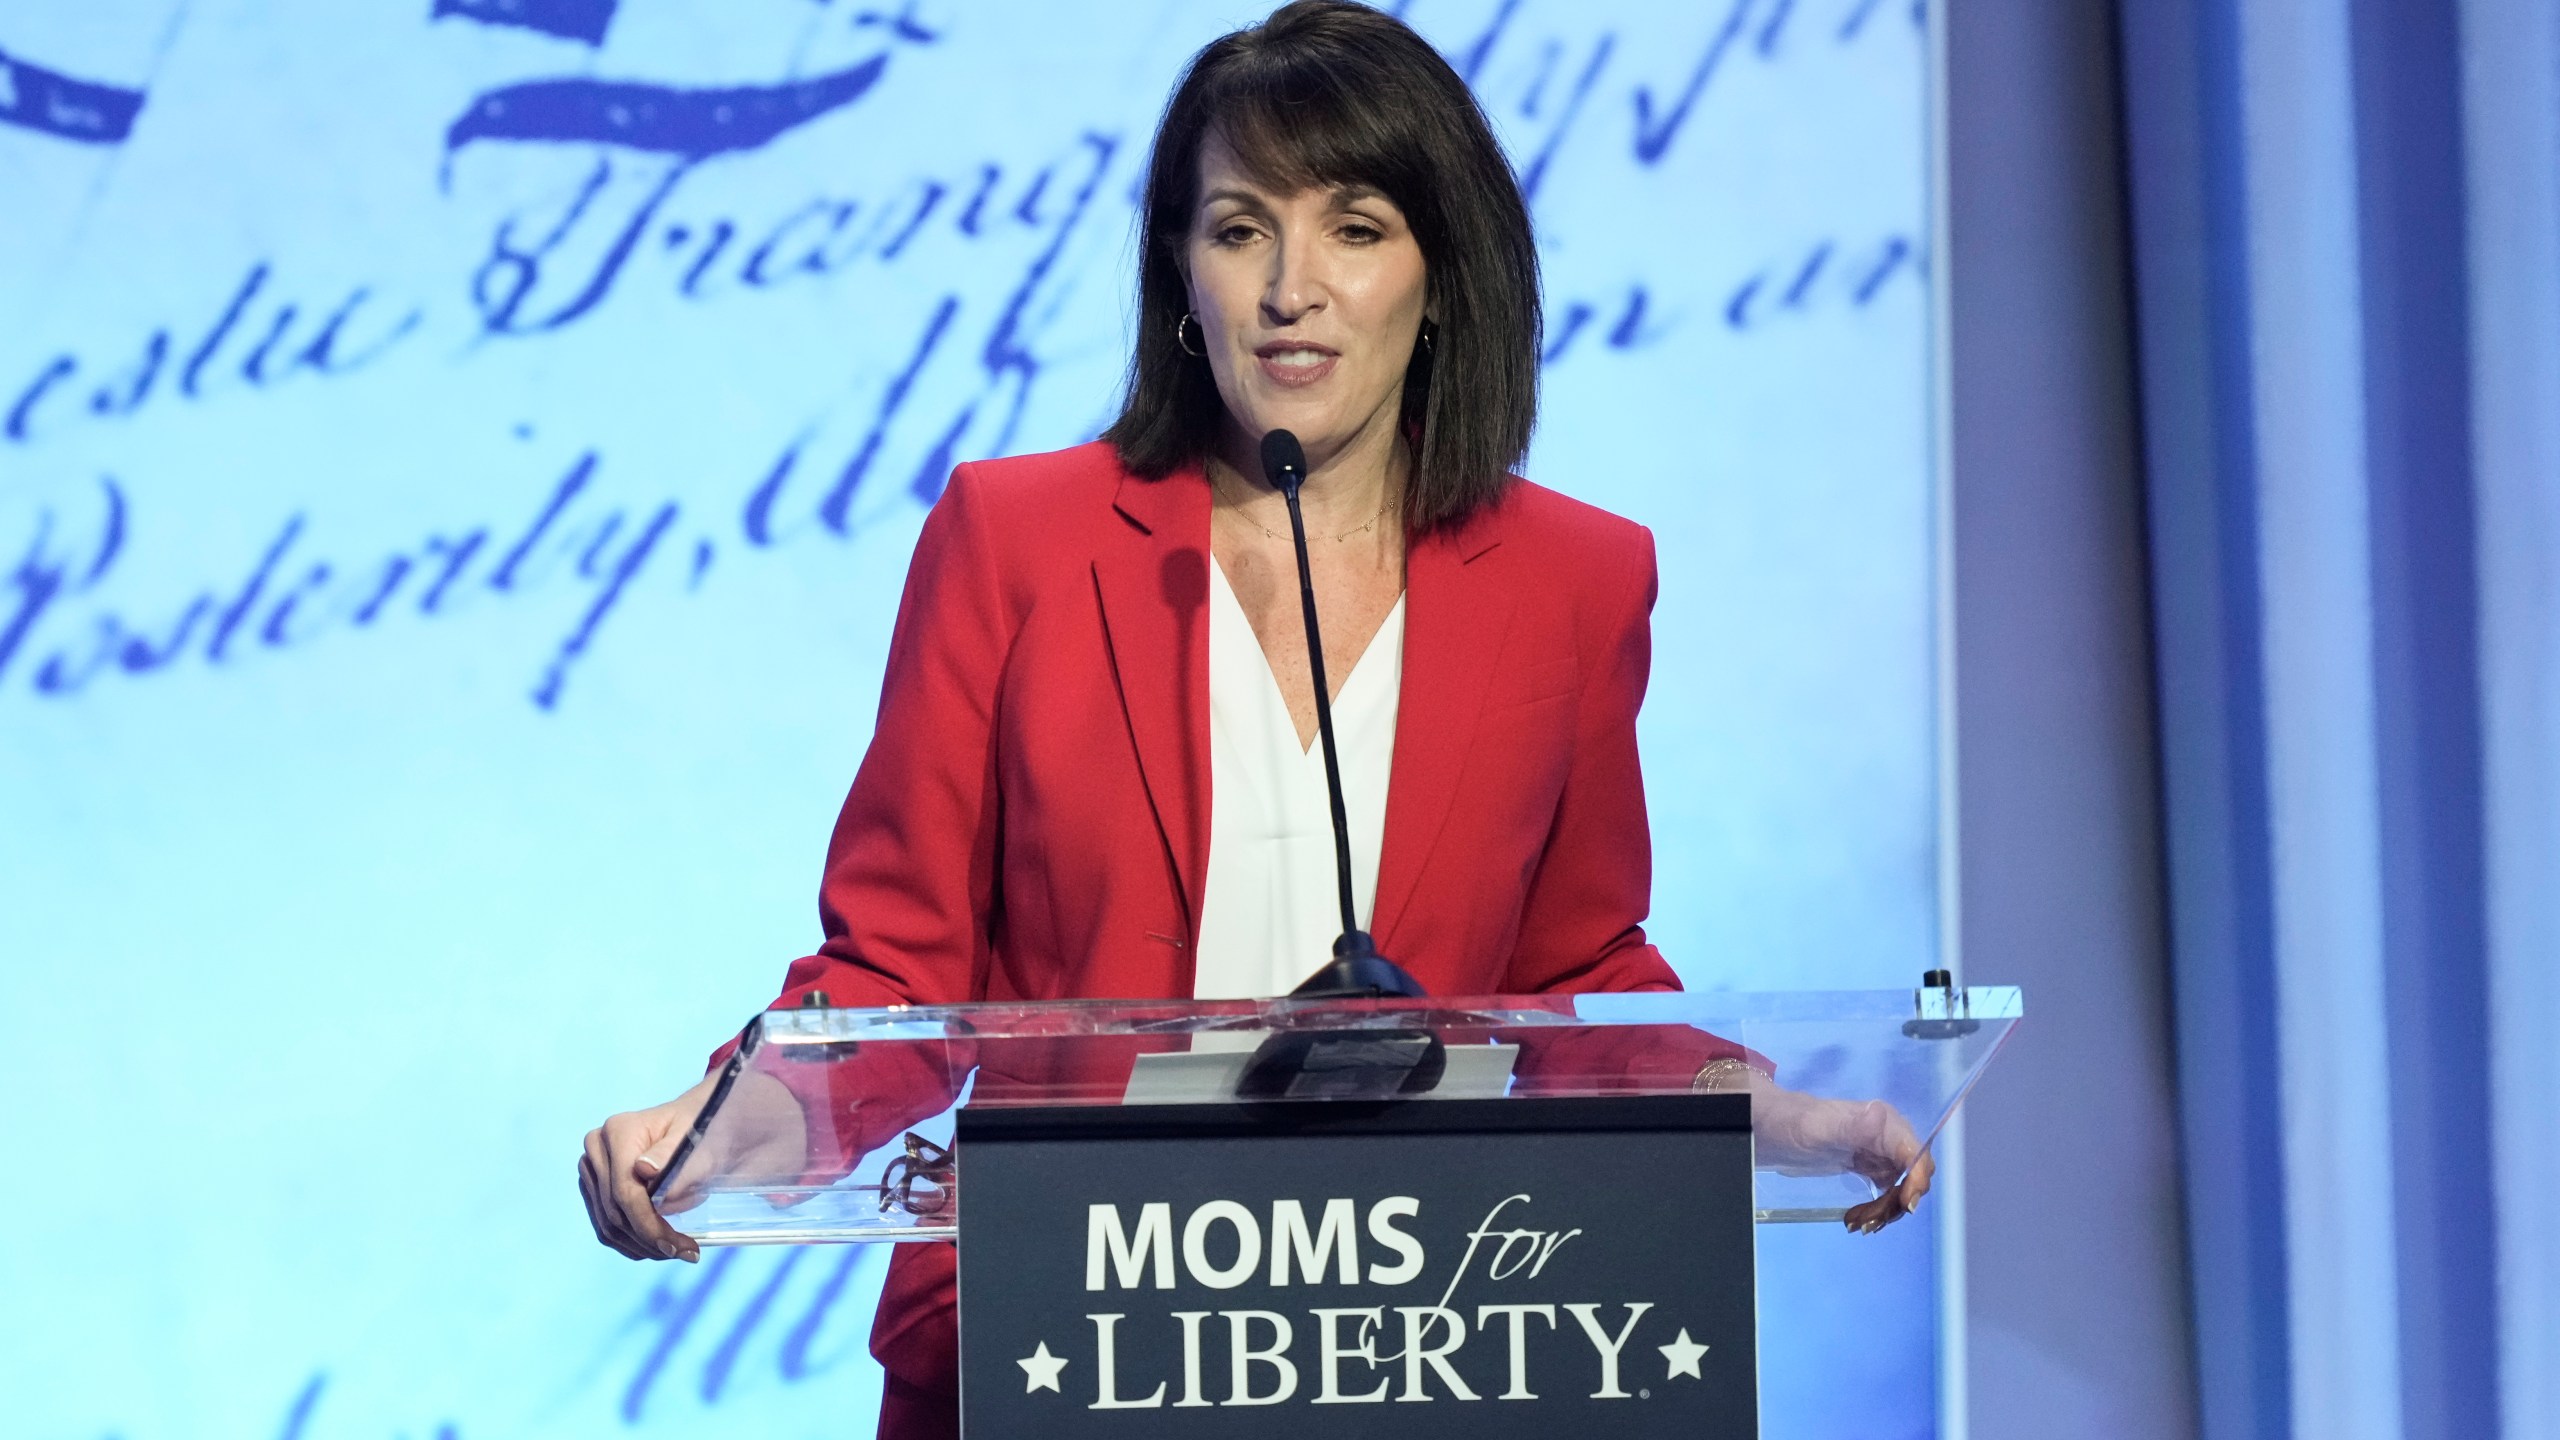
point(457, 463)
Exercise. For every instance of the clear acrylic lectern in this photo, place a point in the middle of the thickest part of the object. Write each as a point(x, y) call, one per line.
point(835, 1125)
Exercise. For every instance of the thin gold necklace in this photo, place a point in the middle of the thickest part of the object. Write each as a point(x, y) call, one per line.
point(1236, 508)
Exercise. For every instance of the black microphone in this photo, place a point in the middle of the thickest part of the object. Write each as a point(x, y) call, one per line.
point(1357, 969)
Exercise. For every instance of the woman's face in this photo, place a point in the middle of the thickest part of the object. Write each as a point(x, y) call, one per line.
point(1308, 304)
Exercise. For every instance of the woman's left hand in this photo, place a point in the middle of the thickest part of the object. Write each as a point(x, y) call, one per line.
point(1807, 1135)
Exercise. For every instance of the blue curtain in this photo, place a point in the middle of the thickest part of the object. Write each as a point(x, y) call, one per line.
point(2353, 570)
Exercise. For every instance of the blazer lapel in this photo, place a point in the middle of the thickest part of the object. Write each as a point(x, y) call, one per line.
point(1154, 590)
point(1457, 613)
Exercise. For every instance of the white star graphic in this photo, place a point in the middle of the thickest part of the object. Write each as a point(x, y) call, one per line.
point(1682, 1354)
point(1040, 1369)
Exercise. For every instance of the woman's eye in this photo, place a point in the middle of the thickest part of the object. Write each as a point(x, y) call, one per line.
point(1233, 235)
point(1362, 233)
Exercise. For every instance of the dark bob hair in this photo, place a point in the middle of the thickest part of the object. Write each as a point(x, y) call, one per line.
point(1327, 93)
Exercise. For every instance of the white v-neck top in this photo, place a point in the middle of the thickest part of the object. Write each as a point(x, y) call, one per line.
point(1270, 908)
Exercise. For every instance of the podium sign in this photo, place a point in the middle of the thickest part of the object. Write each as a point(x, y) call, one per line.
point(1475, 1268)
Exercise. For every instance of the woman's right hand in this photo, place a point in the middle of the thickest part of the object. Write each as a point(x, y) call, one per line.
point(761, 1131)
point(623, 1158)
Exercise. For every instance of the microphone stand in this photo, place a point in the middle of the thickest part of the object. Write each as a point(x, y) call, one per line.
point(1338, 1064)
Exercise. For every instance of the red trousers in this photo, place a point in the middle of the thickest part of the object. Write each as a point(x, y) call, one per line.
point(910, 1412)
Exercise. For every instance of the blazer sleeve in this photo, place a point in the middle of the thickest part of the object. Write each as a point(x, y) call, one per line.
point(907, 902)
point(1581, 927)
point(908, 898)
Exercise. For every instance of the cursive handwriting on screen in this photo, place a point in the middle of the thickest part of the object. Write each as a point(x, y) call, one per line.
point(585, 534)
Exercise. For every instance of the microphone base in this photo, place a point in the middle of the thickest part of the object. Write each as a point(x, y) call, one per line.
point(1348, 1064)
point(1358, 972)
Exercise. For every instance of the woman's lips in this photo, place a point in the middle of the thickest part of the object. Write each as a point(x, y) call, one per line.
point(1295, 365)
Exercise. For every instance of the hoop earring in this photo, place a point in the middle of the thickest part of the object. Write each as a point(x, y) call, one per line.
point(1180, 327)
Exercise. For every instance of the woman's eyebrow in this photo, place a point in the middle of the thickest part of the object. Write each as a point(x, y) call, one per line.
point(1241, 197)
point(1340, 197)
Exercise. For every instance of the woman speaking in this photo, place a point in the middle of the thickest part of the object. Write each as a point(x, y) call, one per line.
point(1093, 772)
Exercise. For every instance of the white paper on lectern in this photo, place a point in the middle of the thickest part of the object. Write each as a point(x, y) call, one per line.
point(1206, 1076)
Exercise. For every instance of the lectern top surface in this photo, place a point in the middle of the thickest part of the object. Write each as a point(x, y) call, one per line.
point(1714, 1011)
point(834, 1124)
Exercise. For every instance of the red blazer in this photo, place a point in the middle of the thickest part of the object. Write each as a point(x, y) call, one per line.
point(1031, 821)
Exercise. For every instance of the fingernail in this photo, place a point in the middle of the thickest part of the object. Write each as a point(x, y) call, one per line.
point(668, 1249)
